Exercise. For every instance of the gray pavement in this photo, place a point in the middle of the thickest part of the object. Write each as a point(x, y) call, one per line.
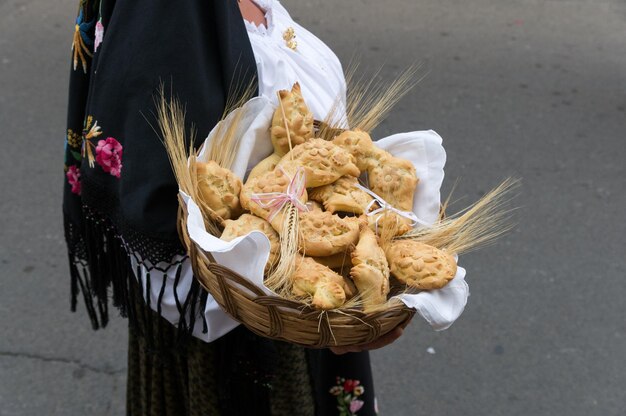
point(533, 89)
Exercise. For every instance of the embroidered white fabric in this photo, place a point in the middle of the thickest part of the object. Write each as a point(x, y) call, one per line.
point(312, 63)
point(321, 78)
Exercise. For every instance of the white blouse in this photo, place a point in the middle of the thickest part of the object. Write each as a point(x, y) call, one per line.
point(323, 85)
point(311, 63)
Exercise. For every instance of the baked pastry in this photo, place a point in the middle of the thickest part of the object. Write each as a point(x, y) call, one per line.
point(274, 181)
point(370, 271)
point(393, 179)
point(318, 281)
point(348, 284)
point(360, 145)
point(314, 206)
point(341, 263)
point(299, 121)
point(336, 261)
point(389, 219)
point(219, 189)
point(325, 234)
point(342, 195)
point(266, 165)
point(323, 162)
point(247, 223)
point(419, 265)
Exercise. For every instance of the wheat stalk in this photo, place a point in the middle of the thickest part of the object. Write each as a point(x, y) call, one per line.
point(227, 138)
point(279, 278)
point(368, 102)
point(171, 122)
point(477, 226)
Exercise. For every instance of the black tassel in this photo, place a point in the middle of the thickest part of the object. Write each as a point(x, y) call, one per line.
point(161, 293)
point(191, 310)
point(142, 310)
point(131, 299)
point(182, 332)
point(204, 296)
point(83, 281)
point(149, 323)
point(119, 274)
point(179, 272)
point(74, 283)
point(97, 277)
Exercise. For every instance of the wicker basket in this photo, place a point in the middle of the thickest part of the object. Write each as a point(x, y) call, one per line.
point(285, 320)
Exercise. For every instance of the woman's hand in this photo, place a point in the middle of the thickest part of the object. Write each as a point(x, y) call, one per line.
point(386, 339)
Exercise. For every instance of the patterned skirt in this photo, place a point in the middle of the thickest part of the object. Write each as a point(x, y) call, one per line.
point(170, 373)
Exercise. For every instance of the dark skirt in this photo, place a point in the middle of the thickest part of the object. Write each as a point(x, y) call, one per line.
point(170, 373)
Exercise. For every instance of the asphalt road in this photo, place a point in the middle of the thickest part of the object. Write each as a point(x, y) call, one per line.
point(532, 89)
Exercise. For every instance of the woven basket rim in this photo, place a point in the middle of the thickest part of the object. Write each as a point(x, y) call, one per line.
point(344, 326)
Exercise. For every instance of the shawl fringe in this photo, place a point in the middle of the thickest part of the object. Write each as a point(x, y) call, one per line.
point(100, 269)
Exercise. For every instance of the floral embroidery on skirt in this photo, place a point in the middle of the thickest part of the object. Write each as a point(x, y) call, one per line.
point(347, 392)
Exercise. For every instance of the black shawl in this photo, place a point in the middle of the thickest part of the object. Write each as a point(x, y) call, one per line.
point(120, 195)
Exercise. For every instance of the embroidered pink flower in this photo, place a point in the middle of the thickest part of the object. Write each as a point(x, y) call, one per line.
point(355, 405)
point(99, 35)
point(109, 156)
point(73, 178)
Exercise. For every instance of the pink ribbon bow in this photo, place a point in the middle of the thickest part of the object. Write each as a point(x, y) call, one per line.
point(275, 201)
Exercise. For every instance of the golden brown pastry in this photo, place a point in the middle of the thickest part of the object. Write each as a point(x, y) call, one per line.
point(318, 281)
point(336, 261)
point(393, 179)
point(266, 165)
point(348, 284)
point(322, 161)
point(219, 188)
point(325, 234)
point(342, 195)
point(359, 144)
point(389, 219)
point(299, 121)
point(341, 263)
point(419, 265)
point(370, 272)
point(248, 222)
point(274, 181)
point(314, 206)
